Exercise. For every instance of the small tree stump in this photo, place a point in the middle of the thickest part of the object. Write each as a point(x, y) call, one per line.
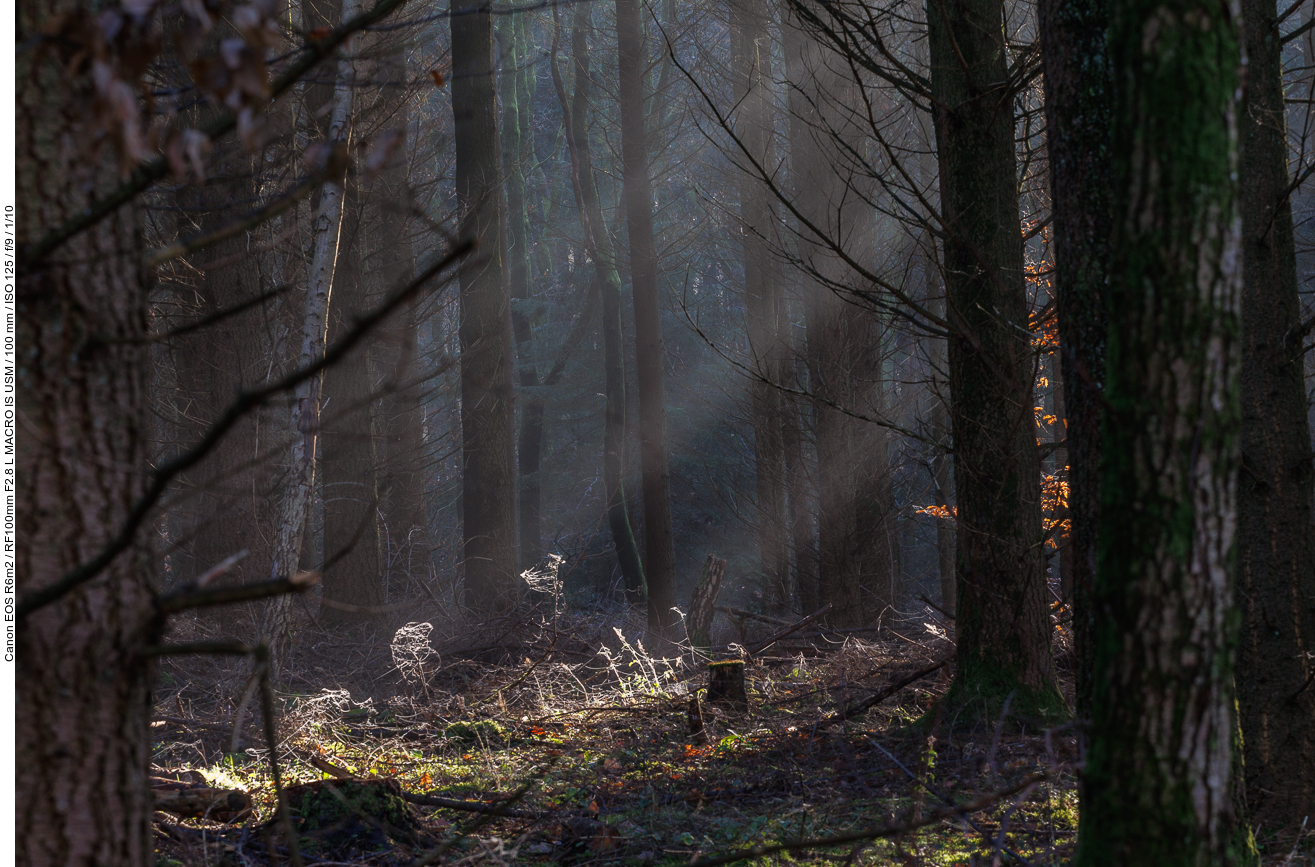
point(726, 684)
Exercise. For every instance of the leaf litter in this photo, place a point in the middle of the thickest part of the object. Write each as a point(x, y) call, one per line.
point(565, 739)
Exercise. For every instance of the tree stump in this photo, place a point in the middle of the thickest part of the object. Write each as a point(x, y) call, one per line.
point(703, 606)
point(726, 684)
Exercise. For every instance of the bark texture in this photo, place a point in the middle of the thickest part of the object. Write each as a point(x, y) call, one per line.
point(83, 692)
point(303, 427)
point(1158, 789)
point(488, 489)
point(1003, 613)
point(1276, 488)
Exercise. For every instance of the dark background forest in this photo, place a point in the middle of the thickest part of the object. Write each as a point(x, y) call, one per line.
point(505, 376)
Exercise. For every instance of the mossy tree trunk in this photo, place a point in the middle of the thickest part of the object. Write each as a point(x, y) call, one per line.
point(1003, 622)
point(1276, 489)
point(488, 488)
point(1158, 789)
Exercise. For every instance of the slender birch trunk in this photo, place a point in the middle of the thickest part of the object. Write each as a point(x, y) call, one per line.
point(304, 423)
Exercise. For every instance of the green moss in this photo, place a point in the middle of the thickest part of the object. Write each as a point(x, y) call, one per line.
point(347, 818)
point(979, 692)
point(485, 732)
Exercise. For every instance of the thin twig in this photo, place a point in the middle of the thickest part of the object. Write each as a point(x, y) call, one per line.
point(175, 602)
point(790, 630)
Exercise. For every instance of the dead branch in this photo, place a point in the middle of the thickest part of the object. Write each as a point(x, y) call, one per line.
point(872, 701)
point(791, 630)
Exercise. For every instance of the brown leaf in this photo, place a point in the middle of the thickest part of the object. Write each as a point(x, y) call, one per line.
point(381, 150)
point(173, 153)
point(251, 129)
point(196, 10)
point(606, 839)
point(197, 145)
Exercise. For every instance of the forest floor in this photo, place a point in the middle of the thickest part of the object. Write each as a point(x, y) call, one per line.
point(575, 747)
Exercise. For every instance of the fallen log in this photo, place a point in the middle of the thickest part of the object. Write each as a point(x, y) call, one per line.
point(196, 802)
point(468, 806)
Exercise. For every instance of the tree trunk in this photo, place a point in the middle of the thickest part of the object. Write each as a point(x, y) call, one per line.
point(83, 691)
point(659, 548)
point(1003, 616)
point(353, 564)
point(304, 424)
point(843, 365)
point(226, 503)
point(1276, 488)
point(1078, 80)
point(517, 135)
point(1158, 786)
point(399, 412)
point(488, 488)
point(799, 497)
point(751, 57)
point(599, 244)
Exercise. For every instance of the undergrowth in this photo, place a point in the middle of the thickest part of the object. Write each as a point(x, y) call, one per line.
point(581, 735)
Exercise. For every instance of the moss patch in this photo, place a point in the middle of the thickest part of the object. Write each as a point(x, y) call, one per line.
point(485, 732)
point(346, 819)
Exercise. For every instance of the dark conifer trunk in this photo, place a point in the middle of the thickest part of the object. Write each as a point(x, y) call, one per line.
point(1003, 621)
point(599, 244)
point(488, 490)
point(853, 558)
point(353, 567)
point(752, 71)
point(1276, 488)
point(517, 135)
point(1078, 81)
point(659, 548)
point(399, 413)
